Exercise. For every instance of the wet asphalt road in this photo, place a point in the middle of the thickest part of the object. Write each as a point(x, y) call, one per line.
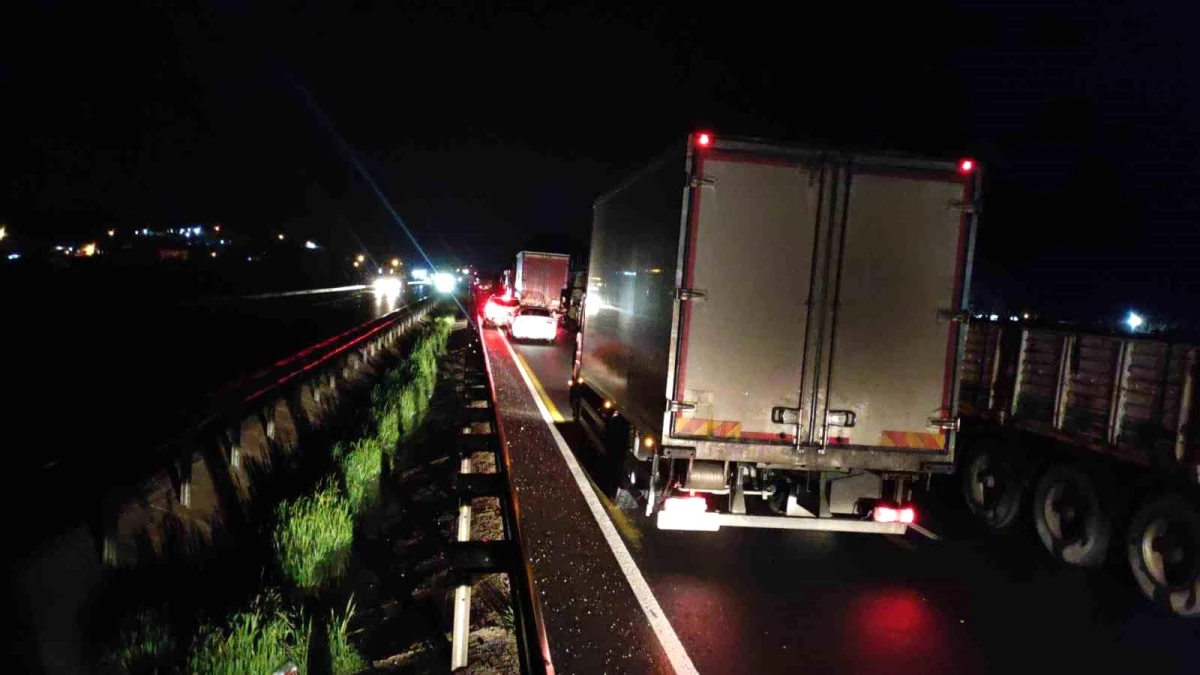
point(785, 601)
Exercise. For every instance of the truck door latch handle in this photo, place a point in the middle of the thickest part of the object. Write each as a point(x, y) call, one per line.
point(841, 418)
point(785, 415)
point(680, 406)
point(690, 294)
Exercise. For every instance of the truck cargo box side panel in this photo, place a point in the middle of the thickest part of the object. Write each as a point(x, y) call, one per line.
point(630, 292)
point(901, 262)
point(750, 252)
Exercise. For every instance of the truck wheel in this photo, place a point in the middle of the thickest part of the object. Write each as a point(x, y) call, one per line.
point(1072, 518)
point(993, 484)
point(1163, 548)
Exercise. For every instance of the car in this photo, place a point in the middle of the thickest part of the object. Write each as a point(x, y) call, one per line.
point(534, 323)
point(499, 310)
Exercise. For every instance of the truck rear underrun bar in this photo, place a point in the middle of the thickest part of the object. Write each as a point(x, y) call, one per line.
point(713, 521)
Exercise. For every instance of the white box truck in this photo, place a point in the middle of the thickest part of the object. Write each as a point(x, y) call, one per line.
point(776, 337)
point(773, 333)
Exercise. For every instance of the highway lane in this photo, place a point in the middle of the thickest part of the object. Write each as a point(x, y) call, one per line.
point(776, 601)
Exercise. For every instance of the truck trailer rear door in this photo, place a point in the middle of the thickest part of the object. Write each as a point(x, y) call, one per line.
point(892, 352)
point(743, 312)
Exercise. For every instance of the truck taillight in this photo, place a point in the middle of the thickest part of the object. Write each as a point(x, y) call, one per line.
point(966, 166)
point(704, 139)
point(905, 515)
point(691, 504)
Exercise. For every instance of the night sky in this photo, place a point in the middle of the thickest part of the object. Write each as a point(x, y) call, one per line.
point(487, 128)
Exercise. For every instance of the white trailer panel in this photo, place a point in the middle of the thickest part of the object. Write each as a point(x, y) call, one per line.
point(749, 254)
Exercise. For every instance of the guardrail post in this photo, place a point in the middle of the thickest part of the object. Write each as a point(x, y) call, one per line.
point(181, 479)
point(462, 593)
point(231, 437)
point(104, 531)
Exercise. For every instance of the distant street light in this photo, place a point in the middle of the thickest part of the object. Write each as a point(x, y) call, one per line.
point(310, 245)
point(395, 262)
point(112, 233)
point(357, 263)
point(1134, 321)
point(281, 237)
point(213, 254)
point(361, 258)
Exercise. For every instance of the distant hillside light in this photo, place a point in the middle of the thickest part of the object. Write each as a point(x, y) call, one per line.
point(1134, 321)
point(310, 245)
point(281, 236)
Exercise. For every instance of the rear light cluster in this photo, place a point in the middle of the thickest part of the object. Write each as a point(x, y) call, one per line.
point(905, 515)
point(691, 504)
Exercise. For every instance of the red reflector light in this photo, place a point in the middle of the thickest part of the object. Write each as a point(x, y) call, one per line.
point(890, 514)
point(966, 166)
point(685, 504)
point(704, 139)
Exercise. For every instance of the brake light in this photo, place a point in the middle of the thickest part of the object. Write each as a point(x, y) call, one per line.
point(966, 166)
point(704, 139)
point(905, 515)
point(692, 504)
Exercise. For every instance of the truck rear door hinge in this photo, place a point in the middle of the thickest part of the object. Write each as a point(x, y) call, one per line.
point(703, 181)
point(690, 294)
point(953, 316)
point(680, 406)
point(966, 207)
point(944, 423)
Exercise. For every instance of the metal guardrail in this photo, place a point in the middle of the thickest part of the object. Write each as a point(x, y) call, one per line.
point(470, 558)
point(316, 370)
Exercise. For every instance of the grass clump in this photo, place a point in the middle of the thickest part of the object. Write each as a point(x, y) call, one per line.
point(361, 468)
point(258, 640)
point(388, 429)
point(344, 659)
point(412, 410)
point(312, 538)
point(144, 645)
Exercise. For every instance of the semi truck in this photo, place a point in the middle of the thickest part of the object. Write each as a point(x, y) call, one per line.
point(779, 337)
point(571, 302)
point(541, 277)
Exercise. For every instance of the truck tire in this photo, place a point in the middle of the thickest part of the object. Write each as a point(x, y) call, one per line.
point(993, 484)
point(1073, 515)
point(1163, 548)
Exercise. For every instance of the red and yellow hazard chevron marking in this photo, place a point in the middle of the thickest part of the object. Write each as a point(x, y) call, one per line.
point(912, 439)
point(696, 426)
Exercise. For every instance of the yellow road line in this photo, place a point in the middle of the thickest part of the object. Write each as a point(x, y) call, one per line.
point(554, 414)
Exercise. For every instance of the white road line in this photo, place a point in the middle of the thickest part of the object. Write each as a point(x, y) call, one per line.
point(680, 661)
